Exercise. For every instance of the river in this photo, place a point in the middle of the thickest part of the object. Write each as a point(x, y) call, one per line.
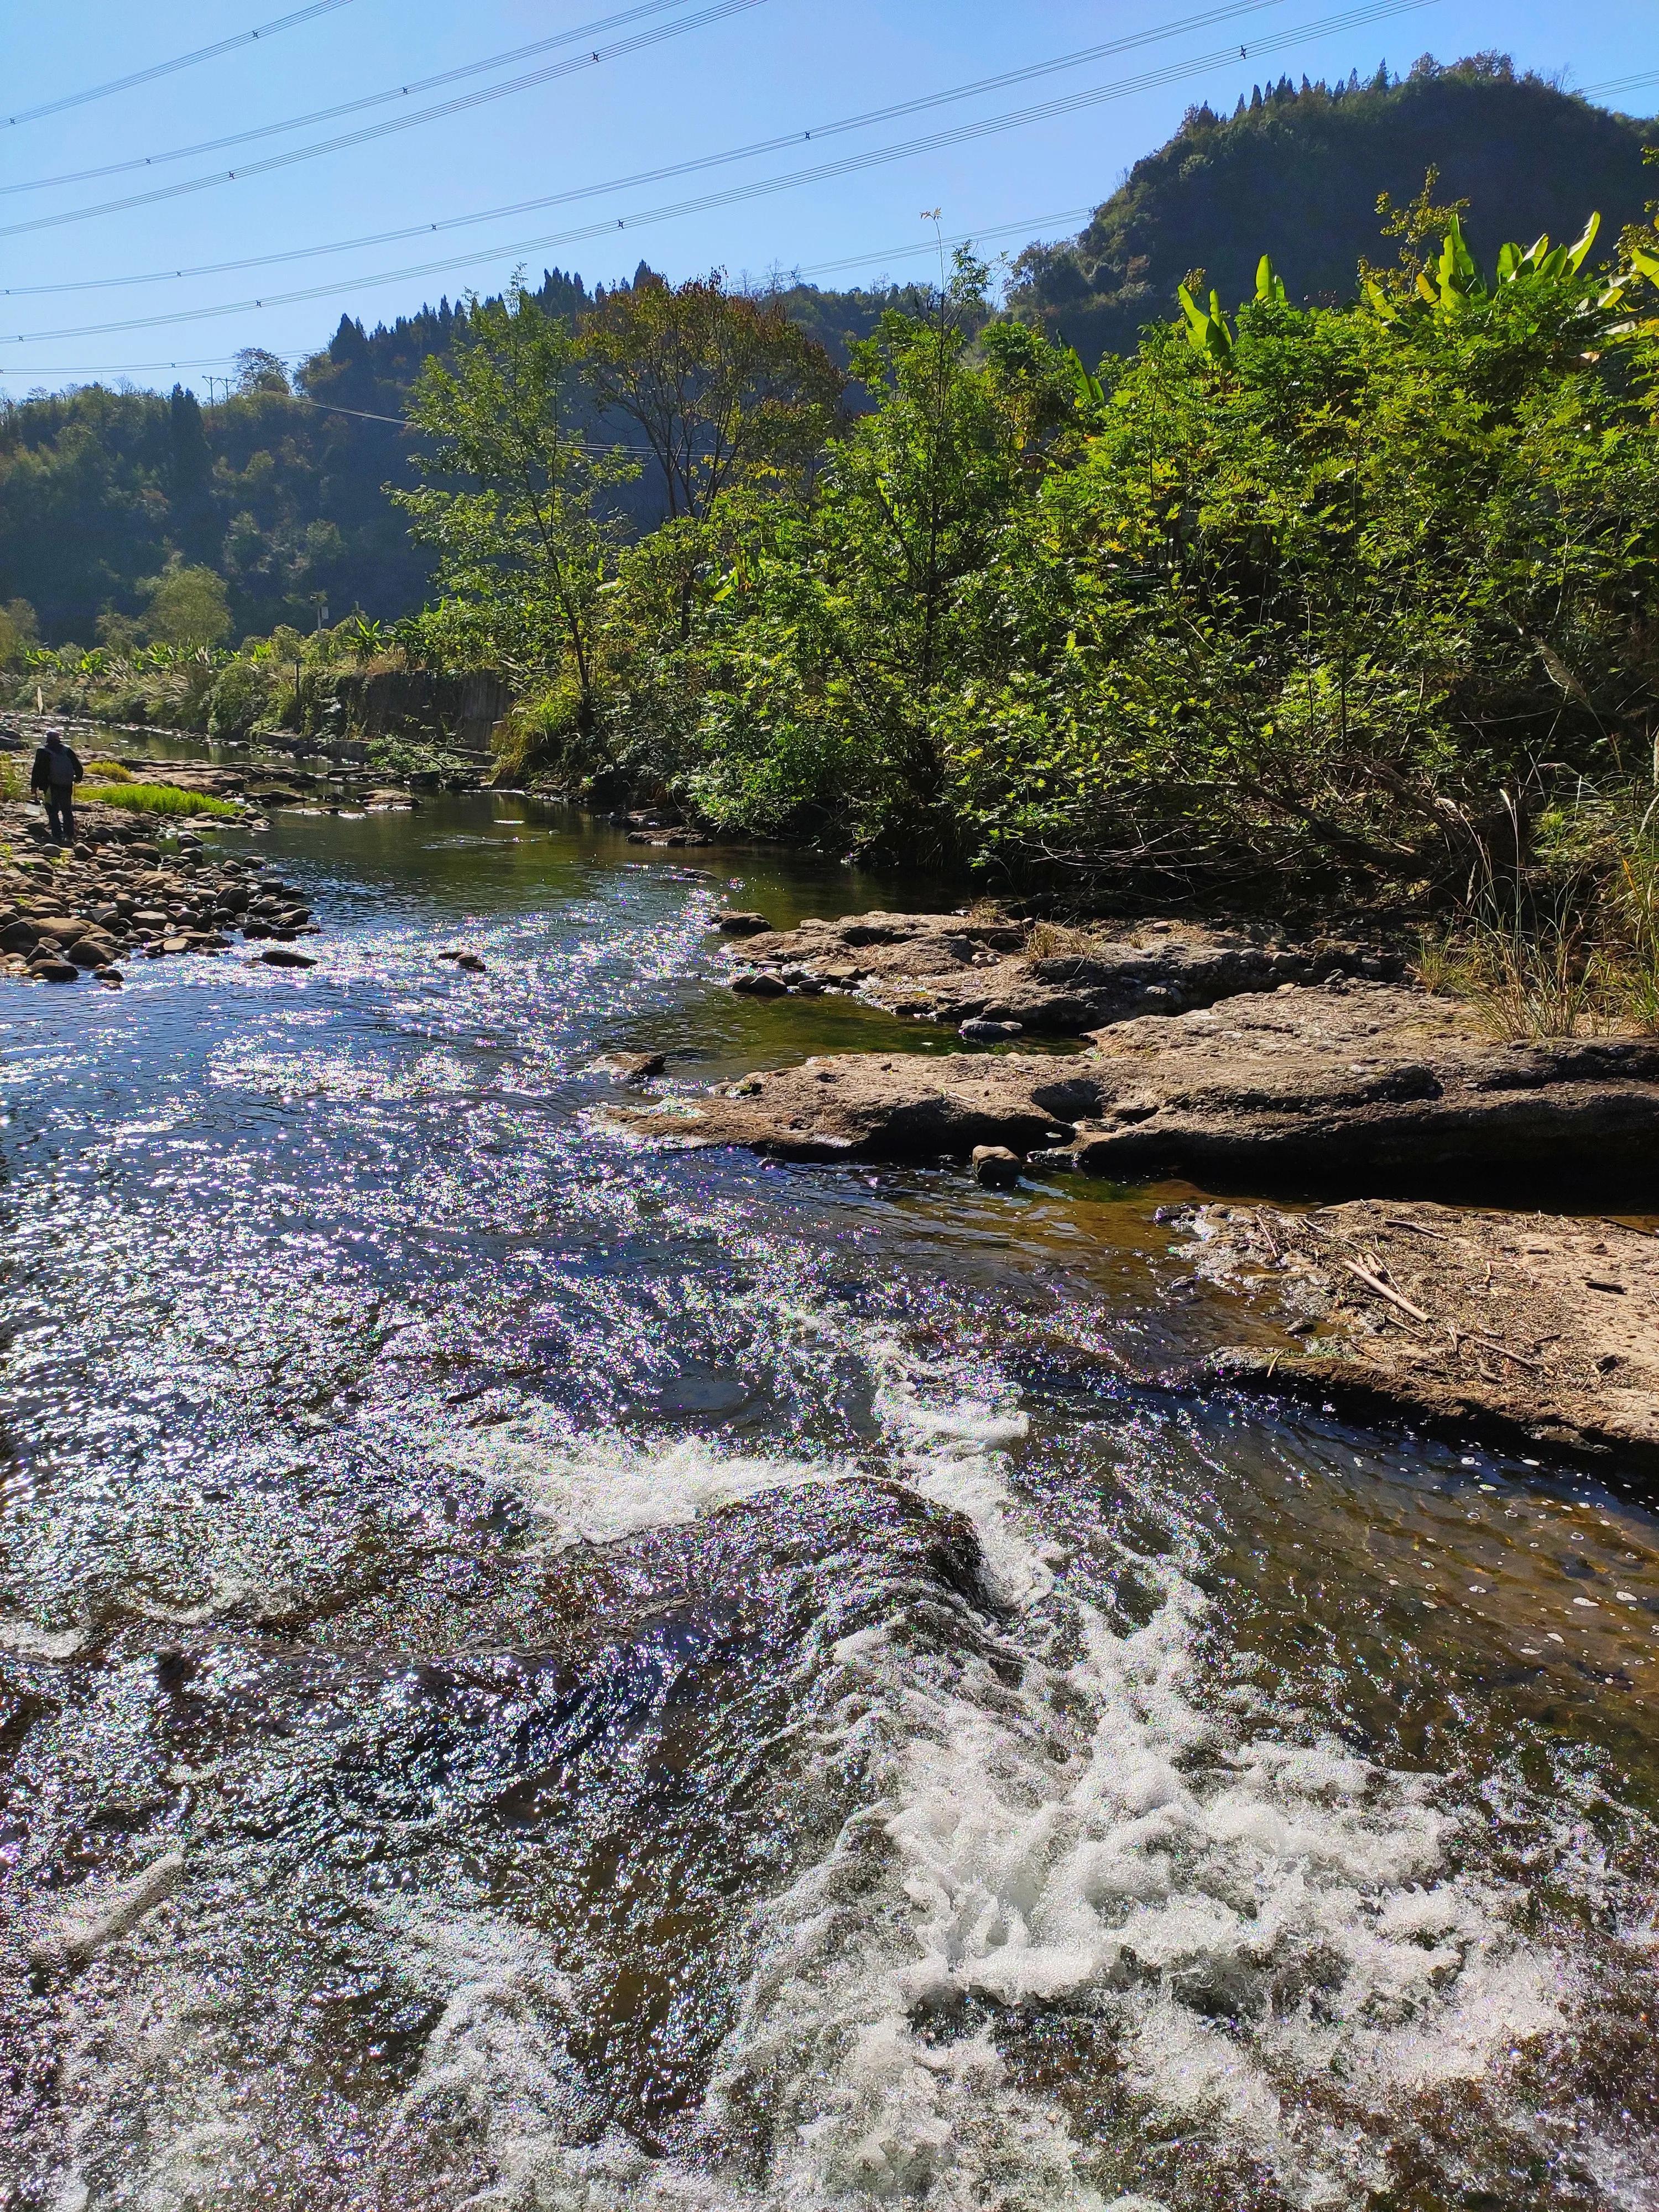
point(542, 1672)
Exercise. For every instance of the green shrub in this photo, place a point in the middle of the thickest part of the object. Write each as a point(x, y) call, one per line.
point(239, 699)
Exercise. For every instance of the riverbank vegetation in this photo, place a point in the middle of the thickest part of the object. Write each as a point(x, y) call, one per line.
point(1356, 594)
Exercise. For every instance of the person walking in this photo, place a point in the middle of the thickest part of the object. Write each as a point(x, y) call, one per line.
point(57, 771)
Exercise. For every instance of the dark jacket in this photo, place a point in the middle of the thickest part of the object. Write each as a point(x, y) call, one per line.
point(56, 767)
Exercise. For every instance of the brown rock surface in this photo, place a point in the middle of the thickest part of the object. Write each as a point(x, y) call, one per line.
point(1366, 1085)
point(957, 968)
point(1536, 1329)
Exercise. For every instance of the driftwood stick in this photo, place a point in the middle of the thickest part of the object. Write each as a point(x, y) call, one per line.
point(1519, 1358)
point(1375, 1283)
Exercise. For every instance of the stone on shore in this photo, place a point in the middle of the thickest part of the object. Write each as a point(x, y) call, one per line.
point(116, 894)
point(1534, 1330)
point(631, 1067)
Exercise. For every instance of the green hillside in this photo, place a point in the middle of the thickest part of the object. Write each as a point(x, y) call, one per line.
point(280, 489)
point(1296, 172)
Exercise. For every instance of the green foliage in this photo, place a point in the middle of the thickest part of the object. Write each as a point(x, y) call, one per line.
point(187, 607)
point(158, 798)
point(512, 499)
point(1298, 170)
point(241, 698)
point(1308, 593)
point(18, 632)
point(722, 387)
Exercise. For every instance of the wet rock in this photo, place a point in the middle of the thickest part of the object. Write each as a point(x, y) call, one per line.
point(472, 961)
point(735, 923)
point(631, 1067)
point(960, 968)
point(1374, 1086)
point(103, 1913)
point(995, 1167)
point(1534, 1330)
point(53, 970)
point(762, 984)
point(278, 955)
point(983, 1032)
point(94, 949)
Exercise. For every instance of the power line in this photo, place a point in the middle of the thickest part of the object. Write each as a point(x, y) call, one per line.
point(1230, 11)
point(166, 68)
point(1619, 84)
point(1024, 227)
point(960, 134)
point(459, 105)
point(349, 106)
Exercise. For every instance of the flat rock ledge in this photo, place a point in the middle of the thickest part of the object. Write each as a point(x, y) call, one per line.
point(1353, 1084)
point(1534, 1330)
point(955, 969)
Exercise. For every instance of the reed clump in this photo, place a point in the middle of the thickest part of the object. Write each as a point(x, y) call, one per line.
point(157, 799)
point(1568, 944)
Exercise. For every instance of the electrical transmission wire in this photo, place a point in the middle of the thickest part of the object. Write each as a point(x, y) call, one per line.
point(1228, 12)
point(167, 68)
point(960, 134)
point(348, 106)
point(461, 104)
point(1022, 229)
point(1619, 84)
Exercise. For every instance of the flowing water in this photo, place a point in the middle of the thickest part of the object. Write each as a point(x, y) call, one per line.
point(541, 1673)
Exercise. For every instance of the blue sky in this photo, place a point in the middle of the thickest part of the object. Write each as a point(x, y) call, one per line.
point(762, 70)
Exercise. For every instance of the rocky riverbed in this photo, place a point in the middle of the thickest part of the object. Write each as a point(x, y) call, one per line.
point(65, 914)
point(1540, 1328)
point(1351, 1083)
point(999, 974)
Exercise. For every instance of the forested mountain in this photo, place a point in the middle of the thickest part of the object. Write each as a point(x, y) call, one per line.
point(1296, 172)
point(280, 487)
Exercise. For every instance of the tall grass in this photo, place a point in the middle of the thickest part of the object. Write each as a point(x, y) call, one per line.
point(157, 799)
point(1570, 942)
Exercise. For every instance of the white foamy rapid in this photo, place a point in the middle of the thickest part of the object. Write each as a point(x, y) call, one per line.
point(1068, 1820)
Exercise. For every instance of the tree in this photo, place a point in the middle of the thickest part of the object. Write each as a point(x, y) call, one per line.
point(18, 631)
point(522, 549)
point(723, 386)
point(259, 371)
point(862, 622)
point(187, 606)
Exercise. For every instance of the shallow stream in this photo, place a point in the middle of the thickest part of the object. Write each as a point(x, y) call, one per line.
point(539, 1672)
